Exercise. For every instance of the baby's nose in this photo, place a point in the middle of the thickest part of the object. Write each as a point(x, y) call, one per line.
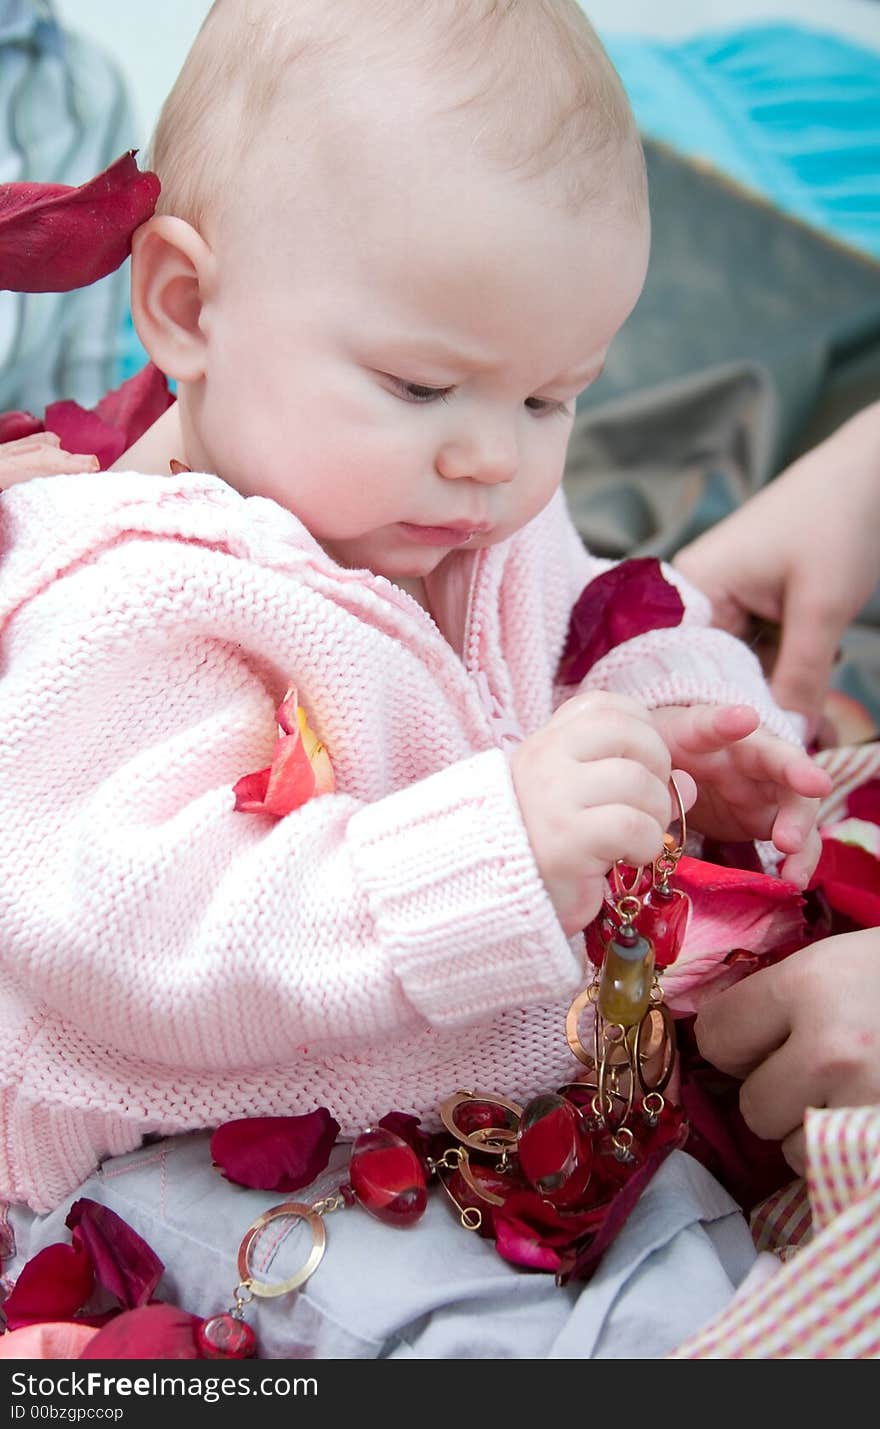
point(488, 457)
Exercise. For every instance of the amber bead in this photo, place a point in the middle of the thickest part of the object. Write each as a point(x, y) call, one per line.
point(626, 978)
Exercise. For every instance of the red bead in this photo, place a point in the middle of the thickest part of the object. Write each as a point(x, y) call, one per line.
point(225, 1337)
point(598, 934)
point(387, 1177)
point(554, 1148)
point(664, 919)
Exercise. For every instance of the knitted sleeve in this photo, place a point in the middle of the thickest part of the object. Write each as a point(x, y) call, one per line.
point(136, 902)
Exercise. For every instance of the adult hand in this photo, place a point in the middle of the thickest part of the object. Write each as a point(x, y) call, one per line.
point(39, 455)
point(803, 1033)
point(804, 553)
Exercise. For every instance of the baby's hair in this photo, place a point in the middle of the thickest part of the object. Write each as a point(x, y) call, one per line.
point(530, 77)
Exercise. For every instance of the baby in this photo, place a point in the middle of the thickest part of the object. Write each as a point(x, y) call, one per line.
point(394, 243)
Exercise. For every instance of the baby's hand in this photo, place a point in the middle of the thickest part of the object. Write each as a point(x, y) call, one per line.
point(39, 455)
point(593, 786)
point(750, 784)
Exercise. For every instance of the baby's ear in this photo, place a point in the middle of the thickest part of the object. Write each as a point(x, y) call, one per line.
point(170, 265)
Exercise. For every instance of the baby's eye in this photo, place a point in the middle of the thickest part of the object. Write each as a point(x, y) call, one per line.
point(417, 392)
point(547, 407)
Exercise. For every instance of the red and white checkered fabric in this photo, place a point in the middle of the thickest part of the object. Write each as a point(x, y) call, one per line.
point(824, 1301)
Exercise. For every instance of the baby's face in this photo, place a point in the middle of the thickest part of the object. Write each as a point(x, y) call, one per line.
point(397, 363)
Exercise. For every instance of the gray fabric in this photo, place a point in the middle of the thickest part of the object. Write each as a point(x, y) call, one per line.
point(755, 337)
point(434, 1291)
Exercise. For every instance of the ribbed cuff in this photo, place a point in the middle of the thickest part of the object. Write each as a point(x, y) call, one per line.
point(456, 895)
point(688, 666)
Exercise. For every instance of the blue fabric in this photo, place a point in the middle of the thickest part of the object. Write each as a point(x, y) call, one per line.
point(789, 112)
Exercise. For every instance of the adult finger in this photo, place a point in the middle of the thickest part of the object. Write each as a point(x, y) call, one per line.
point(737, 1028)
point(774, 1097)
point(794, 1149)
point(807, 651)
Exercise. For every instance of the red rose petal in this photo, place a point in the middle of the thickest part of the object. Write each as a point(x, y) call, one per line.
point(625, 601)
point(15, 425)
point(110, 428)
point(53, 1285)
point(849, 877)
point(54, 238)
point(275, 1153)
point(864, 802)
point(152, 1332)
point(124, 1263)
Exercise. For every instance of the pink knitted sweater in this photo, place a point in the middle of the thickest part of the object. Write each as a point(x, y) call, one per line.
point(168, 964)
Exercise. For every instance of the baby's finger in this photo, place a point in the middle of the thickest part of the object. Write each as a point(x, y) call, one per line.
point(621, 781)
point(589, 704)
point(765, 757)
point(687, 790)
point(618, 831)
point(703, 729)
point(800, 864)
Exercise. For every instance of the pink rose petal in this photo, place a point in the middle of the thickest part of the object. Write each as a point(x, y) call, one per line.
point(731, 908)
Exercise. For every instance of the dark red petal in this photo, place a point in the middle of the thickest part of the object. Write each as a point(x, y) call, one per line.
point(849, 877)
point(124, 1263)
point(409, 1129)
point(250, 792)
point(581, 1265)
point(275, 1153)
point(119, 419)
point(53, 1285)
point(624, 601)
point(54, 238)
point(152, 1332)
point(15, 425)
point(747, 1166)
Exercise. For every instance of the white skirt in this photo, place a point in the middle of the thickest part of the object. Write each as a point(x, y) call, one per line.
point(432, 1291)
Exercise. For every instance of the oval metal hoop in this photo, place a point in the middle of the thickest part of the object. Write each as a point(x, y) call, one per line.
point(572, 1022)
point(490, 1140)
point(677, 850)
point(642, 1054)
point(299, 1211)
